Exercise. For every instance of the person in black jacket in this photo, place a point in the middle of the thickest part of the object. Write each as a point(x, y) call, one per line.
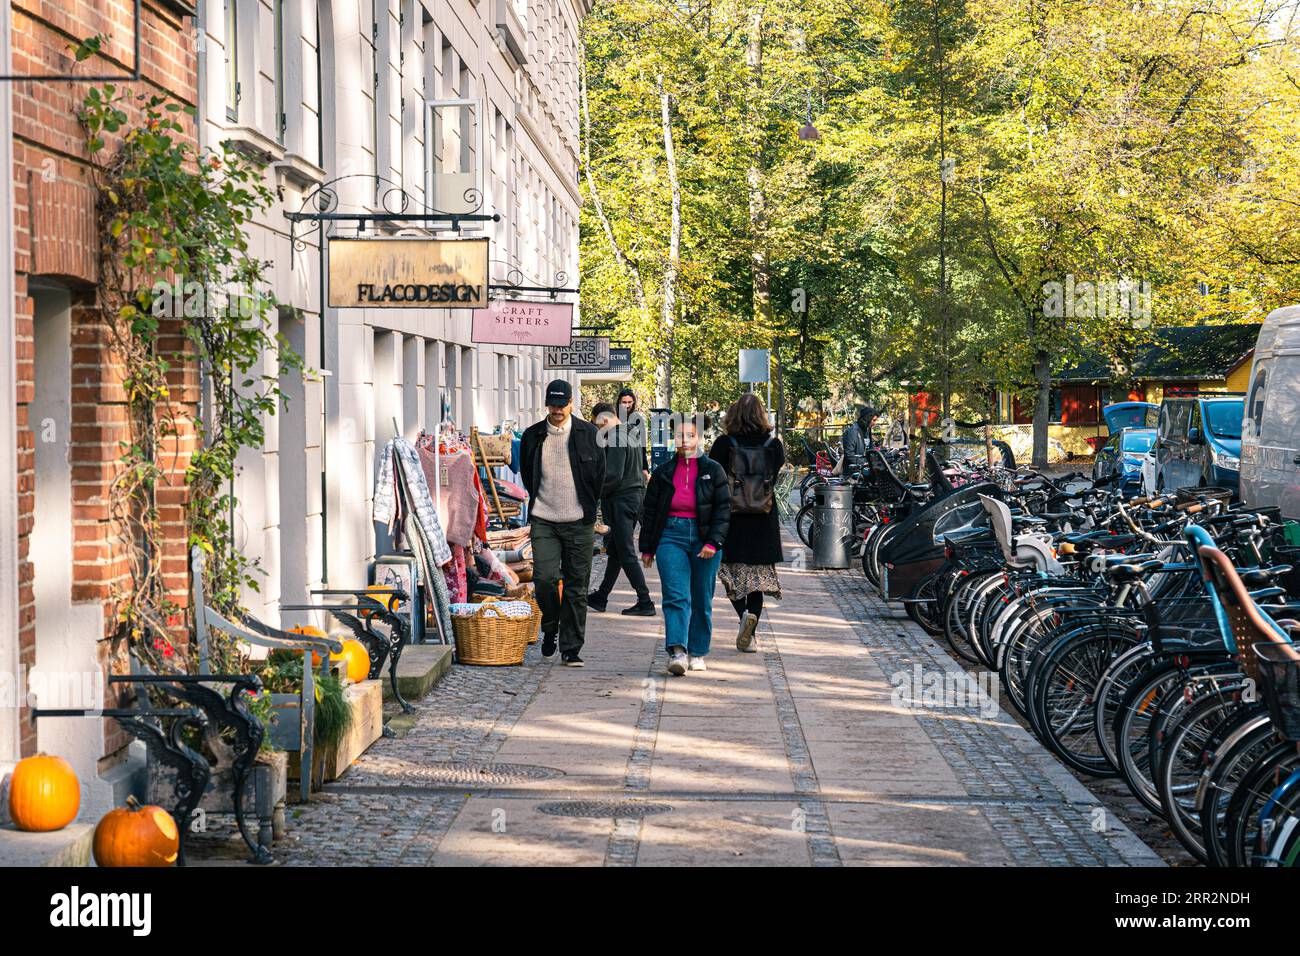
point(563, 468)
point(752, 549)
point(683, 524)
point(620, 503)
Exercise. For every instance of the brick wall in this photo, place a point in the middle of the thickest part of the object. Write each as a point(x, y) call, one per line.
point(54, 239)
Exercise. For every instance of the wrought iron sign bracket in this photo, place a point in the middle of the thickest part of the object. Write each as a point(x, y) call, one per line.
point(321, 206)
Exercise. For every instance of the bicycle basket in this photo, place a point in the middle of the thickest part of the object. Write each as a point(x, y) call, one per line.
point(1279, 682)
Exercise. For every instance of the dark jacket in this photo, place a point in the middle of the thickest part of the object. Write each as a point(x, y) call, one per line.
point(623, 463)
point(637, 433)
point(586, 458)
point(854, 444)
point(712, 503)
point(752, 539)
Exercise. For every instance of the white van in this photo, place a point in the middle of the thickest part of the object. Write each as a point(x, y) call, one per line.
point(1270, 432)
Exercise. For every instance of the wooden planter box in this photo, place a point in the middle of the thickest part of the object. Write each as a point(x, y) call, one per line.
point(219, 796)
point(366, 701)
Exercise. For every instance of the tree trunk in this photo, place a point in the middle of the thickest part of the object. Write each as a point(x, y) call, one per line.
point(945, 332)
point(664, 378)
point(1042, 407)
point(756, 179)
point(634, 273)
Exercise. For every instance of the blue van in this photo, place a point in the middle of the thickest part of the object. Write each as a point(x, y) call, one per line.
point(1199, 442)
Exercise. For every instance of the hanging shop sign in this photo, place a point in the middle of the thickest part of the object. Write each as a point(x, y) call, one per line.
point(583, 354)
point(408, 273)
point(620, 361)
point(512, 322)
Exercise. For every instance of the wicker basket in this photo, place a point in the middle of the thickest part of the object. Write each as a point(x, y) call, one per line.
point(524, 592)
point(490, 640)
point(534, 621)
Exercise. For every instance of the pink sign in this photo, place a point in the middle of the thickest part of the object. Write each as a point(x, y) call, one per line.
point(507, 322)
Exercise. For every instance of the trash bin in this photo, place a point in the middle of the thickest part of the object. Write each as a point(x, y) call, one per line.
point(832, 529)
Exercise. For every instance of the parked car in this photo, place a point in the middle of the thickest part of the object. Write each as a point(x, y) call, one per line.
point(1121, 415)
point(1121, 458)
point(1199, 442)
point(1270, 444)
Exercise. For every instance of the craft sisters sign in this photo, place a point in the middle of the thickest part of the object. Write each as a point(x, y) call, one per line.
point(408, 273)
point(510, 322)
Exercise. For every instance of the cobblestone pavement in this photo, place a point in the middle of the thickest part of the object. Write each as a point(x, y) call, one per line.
point(807, 753)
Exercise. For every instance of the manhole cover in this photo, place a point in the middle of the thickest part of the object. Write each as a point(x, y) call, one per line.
point(480, 774)
point(598, 809)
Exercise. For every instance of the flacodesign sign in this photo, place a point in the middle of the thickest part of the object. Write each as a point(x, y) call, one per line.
point(408, 273)
point(512, 322)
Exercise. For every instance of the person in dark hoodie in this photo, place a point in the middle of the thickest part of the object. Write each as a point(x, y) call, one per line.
point(683, 524)
point(620, 505)
point(563, 468)
point(632, 419)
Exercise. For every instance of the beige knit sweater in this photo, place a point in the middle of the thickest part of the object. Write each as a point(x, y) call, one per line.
point(557, 497)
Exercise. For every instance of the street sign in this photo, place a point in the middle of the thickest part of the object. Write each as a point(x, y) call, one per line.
point(583, 354)
point(403, 273)
point(754, 365)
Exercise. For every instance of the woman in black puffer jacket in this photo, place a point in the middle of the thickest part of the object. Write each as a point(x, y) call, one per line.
point(752, 549)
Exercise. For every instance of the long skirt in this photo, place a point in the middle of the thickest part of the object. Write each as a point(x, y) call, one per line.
point(741, 579)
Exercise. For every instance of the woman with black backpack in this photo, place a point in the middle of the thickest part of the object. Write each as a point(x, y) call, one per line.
point(752, 456)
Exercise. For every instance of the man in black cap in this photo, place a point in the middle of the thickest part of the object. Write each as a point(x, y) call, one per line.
point(563, 468)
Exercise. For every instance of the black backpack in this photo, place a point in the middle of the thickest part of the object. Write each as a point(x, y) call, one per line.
point(750, 480)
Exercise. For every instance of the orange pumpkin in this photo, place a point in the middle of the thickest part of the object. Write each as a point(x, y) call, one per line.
point(383, 594)
point(357, 658)
point(44, 794)
point(311, 631)
point(136, 836)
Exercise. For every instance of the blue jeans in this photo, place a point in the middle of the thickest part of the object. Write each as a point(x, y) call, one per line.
point(688, 582)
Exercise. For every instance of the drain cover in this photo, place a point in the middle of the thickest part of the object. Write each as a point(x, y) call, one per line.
point(599, 809)
point(478, 774)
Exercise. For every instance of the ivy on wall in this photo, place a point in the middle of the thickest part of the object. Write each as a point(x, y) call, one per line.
point(179, 290)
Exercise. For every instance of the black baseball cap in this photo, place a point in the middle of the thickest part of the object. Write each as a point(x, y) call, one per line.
point(558, 394)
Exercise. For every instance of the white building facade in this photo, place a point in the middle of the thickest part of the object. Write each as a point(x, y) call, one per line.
point(453, 105)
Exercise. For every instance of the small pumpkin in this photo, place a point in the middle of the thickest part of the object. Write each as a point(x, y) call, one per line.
point(357, 659)
point(311, 631)
point(383, 594)
point(136, 836)
point(44, 794)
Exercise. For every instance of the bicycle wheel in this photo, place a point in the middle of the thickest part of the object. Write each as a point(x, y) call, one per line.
point(1063, 695)
point(1246, 838)
point(1132, 723)
point(1240, 743)
point(954, 631)
point(803, 522)
point(922, 605)
point(1182, 761)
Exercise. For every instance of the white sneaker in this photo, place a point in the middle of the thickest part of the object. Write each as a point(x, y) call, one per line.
point(697, 664)
point(745, 638)
point(677, 663)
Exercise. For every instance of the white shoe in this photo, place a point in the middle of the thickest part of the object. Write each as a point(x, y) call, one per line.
point(677, 663)
point(745, 639)
point(697, 664)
